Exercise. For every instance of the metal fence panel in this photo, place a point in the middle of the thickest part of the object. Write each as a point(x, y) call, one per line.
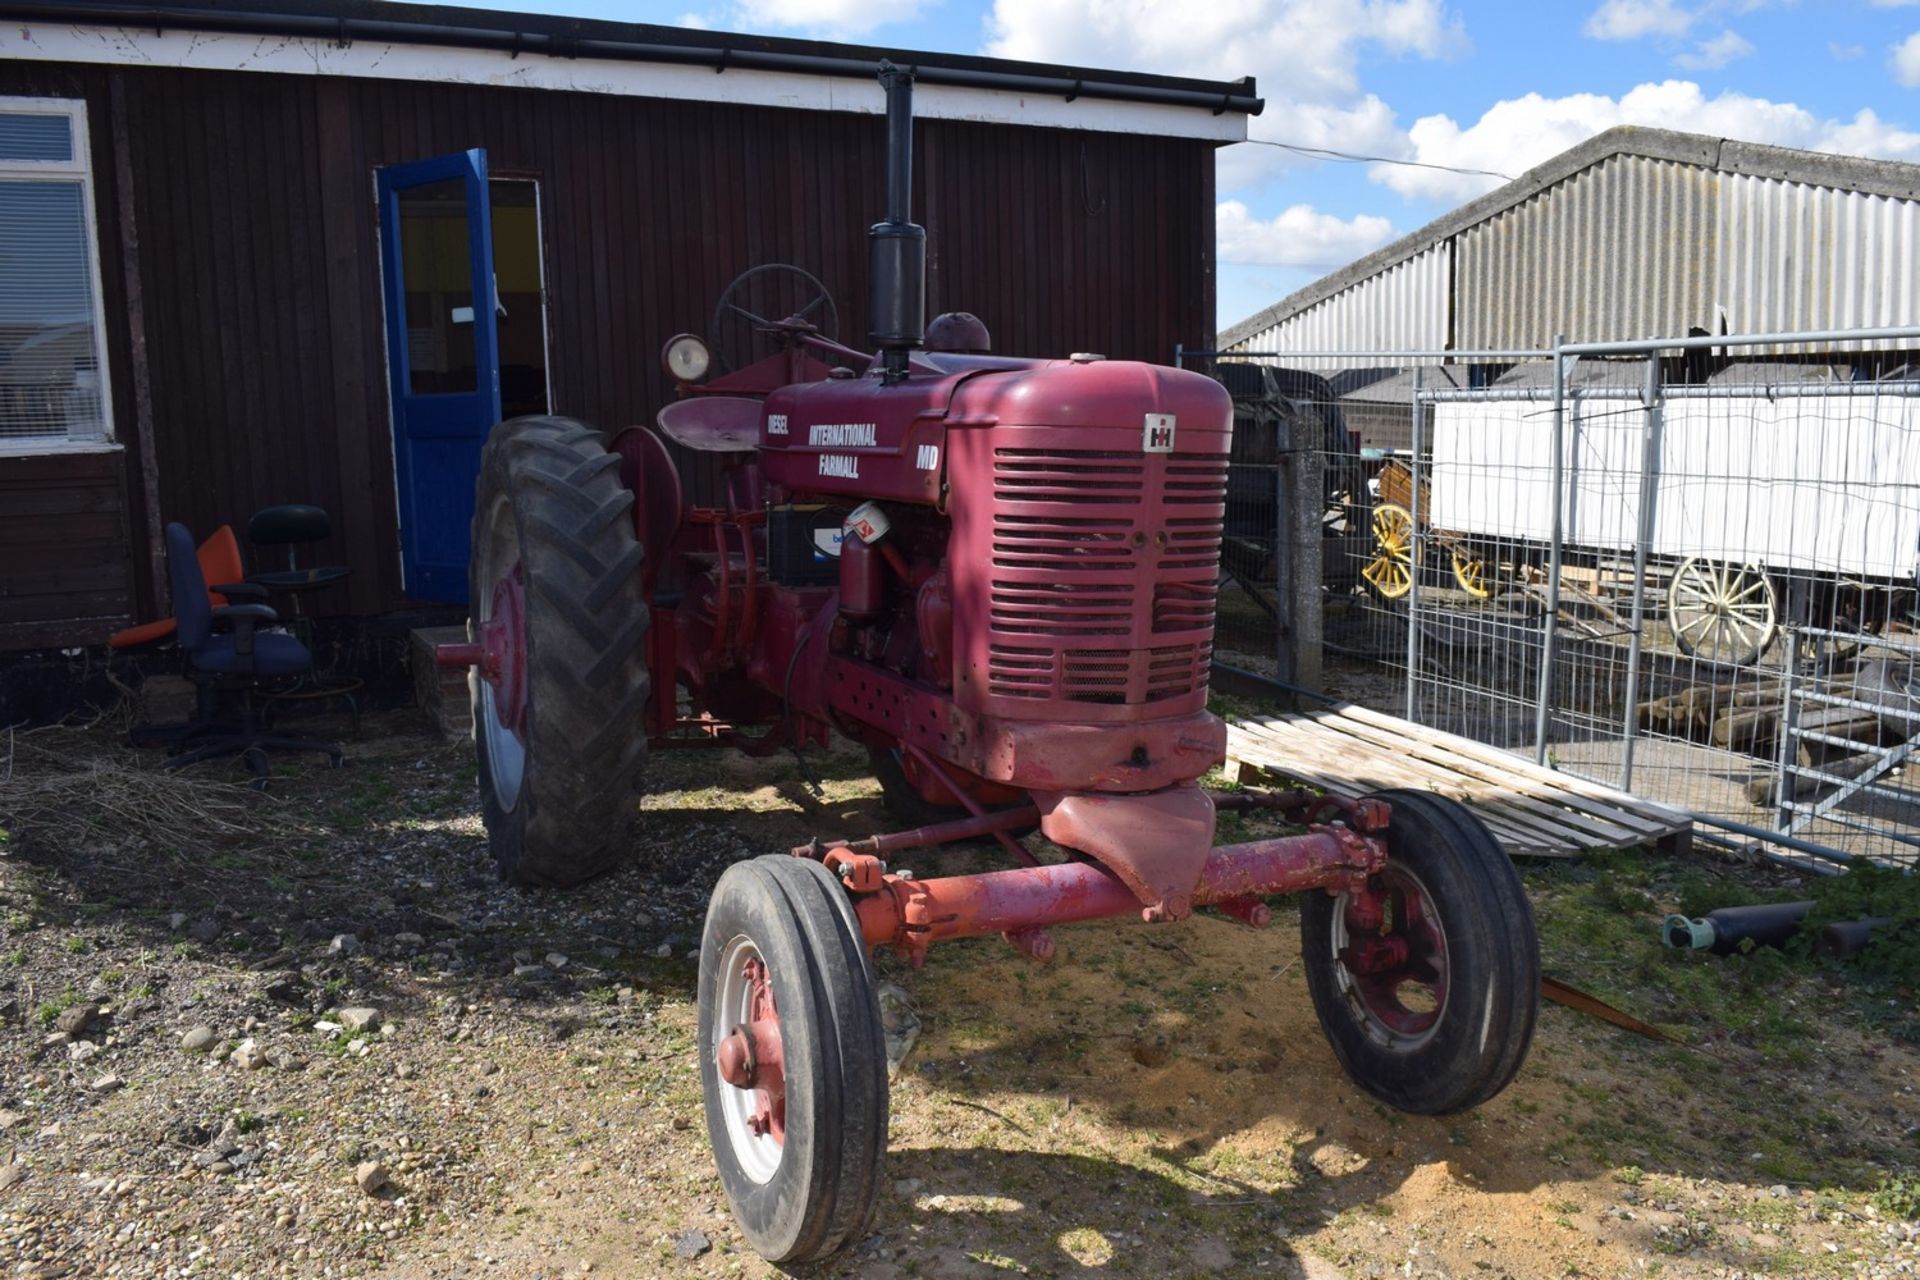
point(1668, 566)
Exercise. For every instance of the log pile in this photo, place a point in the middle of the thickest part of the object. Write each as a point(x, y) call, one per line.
point(1744, 715)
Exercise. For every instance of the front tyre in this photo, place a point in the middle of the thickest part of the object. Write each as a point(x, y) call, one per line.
point(559, 725)
point(1429, 998)
point(792, 1058)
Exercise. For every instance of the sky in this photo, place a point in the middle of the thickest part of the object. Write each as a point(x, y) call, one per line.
point(1458, 95)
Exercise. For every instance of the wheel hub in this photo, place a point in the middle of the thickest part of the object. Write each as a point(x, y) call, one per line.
point(749, 1057)
point(502, 650)
point(1393, 955)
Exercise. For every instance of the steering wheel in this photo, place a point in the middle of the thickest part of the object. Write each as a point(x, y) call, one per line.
point(761, 298)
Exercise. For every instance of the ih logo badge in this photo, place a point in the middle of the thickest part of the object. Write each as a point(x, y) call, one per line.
point(1158, 436)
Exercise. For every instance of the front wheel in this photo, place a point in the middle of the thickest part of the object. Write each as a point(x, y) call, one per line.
point(1428, 984)
point(792, 1058)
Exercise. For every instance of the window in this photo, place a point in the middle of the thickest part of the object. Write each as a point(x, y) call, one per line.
point(53, 368)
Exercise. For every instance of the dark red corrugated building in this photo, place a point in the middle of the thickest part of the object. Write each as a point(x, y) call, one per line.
point(227, 279)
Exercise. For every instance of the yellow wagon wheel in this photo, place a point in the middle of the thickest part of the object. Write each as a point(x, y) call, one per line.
point(1472, 573)
point(1391, 569)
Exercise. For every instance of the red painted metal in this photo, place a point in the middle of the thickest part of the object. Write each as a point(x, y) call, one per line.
point(1248, 911)
point(647, 471)
point(457, 655)
point(921, 837)
point(911, 915)
point(961, 792)
point(1157, 843)
point(1395, 942)
point(751, 1056)
point(499, 650)
point(712, 424)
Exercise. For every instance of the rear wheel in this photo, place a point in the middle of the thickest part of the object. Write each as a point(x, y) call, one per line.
point(1428, 984)
point(559, 721)
point(792, 1058)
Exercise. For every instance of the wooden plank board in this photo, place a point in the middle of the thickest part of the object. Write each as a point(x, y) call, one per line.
point(1351, 751)
point(1356, 774)
point(1563, 811)
point(1331, 751)
point(1495, 808)
point(1553, 781)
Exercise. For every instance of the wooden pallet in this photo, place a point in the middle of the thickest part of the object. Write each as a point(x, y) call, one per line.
point(1350, 751)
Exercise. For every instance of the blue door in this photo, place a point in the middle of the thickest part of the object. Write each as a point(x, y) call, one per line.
point(436, 259)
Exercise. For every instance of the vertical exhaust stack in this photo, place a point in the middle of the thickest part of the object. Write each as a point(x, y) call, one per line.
point(897, 247)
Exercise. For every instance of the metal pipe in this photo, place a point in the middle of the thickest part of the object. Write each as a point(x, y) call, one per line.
point(896, 246)
point(1643, 543)
point(898, 84)
point(1722, 931)
point(1556, 540)
point(1386, 358)
point(1780, 838)
point(1845, 937)
point(1414, 557)
point(1649, 345)
point(1640, 346)
point(984, 824)
point(514, 36)
point(913, 914)
point(1698, 391)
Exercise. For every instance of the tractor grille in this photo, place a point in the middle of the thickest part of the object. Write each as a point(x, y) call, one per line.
point(1103, 574)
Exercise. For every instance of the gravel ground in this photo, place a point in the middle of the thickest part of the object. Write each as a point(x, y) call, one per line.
point(310, 1034)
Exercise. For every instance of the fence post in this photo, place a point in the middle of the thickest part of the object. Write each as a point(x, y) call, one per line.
point(1299, 510)
point(1642, 544)
point(1414, 556)
point(1556, 540)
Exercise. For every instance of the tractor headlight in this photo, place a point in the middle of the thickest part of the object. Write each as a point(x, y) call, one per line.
point(686, 357)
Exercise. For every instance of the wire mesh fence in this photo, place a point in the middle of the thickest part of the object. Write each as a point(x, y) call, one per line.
point(1714, 539)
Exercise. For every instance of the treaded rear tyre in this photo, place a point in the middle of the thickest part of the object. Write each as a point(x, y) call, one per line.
point(813, 1191)
point(549, 500)
point(1478, 1036)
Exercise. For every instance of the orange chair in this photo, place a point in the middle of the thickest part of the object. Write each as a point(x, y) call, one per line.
point(220, 565)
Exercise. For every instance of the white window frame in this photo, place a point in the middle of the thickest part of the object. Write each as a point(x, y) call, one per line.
point(81, 167)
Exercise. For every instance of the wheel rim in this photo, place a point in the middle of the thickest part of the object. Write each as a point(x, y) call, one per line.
point(747, 1054)
point(1722, 611)
point(502, 670)
point(1391, 569)
point(1470, 572)
point(1391, 969)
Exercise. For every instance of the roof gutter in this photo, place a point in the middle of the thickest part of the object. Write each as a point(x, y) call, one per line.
point(344, 28)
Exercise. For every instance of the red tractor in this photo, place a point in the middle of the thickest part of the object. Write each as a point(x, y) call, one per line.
point(998, 575)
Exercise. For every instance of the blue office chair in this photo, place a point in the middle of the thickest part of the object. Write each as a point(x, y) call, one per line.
point(227, 651)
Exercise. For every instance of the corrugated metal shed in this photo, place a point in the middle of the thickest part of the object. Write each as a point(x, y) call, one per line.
point(1635, 233)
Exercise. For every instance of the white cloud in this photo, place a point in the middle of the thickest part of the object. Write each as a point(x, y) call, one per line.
point(1728, 46)
point(1894, 4)
point(1302, 236)
point(823, 17)
point(1906, 61)
point(1306, 53)
point(1518, 133)
point(1634, 19)
point(1845, 52)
